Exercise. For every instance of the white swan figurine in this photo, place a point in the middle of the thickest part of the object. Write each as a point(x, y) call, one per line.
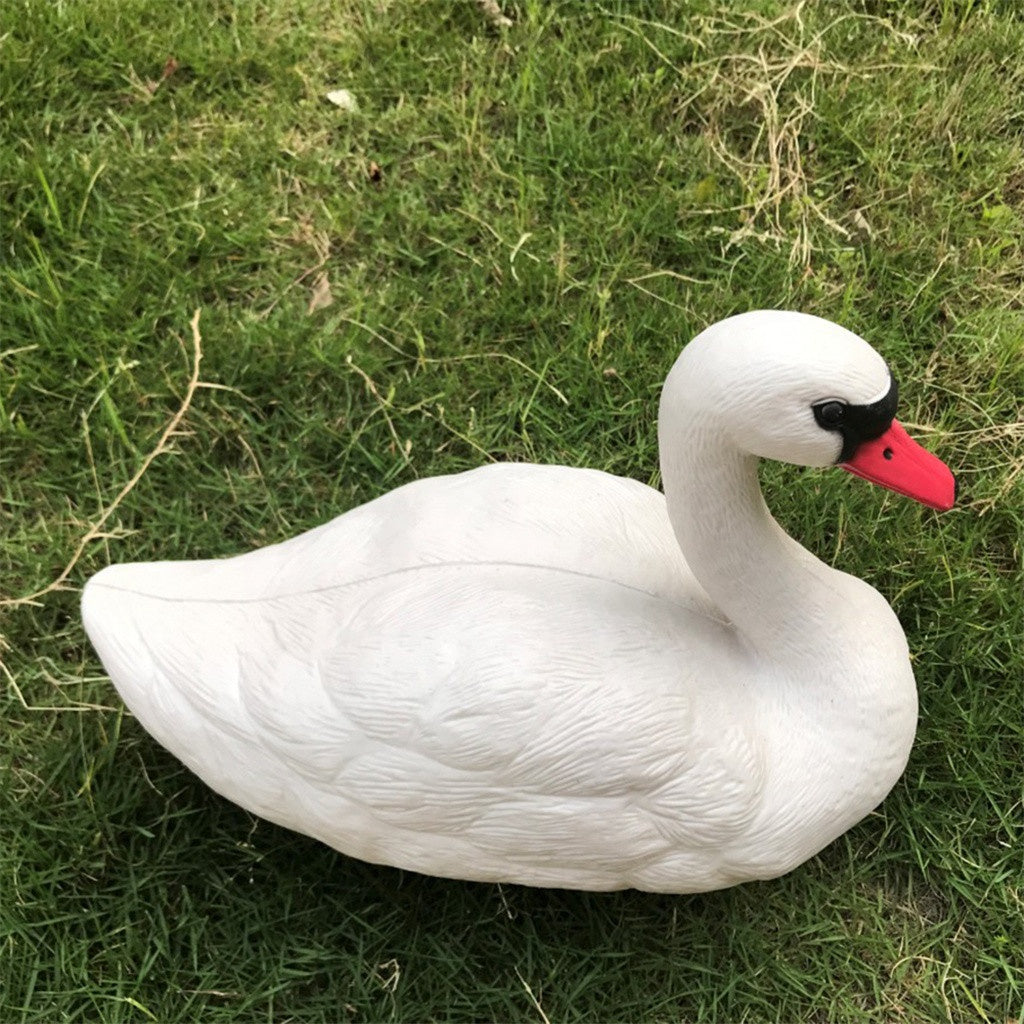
point(554, 676)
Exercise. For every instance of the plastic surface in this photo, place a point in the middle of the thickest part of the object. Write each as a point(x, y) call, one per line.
point(548, 675)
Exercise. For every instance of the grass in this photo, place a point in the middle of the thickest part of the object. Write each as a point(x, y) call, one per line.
point(519, 228)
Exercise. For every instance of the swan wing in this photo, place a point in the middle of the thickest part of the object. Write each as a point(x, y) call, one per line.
point(492, 721)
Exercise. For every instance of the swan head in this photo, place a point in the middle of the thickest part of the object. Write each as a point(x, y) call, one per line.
point(797, 388)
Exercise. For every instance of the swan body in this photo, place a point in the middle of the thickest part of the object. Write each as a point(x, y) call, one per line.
point(549, 675)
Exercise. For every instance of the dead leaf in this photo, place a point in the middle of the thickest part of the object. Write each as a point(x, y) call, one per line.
point(170, 66)
point(321, 296)
point(388, 975)
point(494, 14)
point(861, 223)
point(343, 99)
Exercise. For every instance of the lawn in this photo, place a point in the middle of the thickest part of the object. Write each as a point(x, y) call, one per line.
point(496, 256)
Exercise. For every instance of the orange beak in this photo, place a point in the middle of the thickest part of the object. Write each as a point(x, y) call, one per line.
point(899, 463)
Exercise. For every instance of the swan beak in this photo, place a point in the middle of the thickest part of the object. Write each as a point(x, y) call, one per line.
point(899, 463)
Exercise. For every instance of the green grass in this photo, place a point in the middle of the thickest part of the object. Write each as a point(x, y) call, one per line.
point(560, 206)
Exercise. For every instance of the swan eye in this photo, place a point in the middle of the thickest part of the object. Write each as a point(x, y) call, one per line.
point(830, 414)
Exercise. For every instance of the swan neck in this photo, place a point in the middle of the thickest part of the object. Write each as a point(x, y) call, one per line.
point(758, 576)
